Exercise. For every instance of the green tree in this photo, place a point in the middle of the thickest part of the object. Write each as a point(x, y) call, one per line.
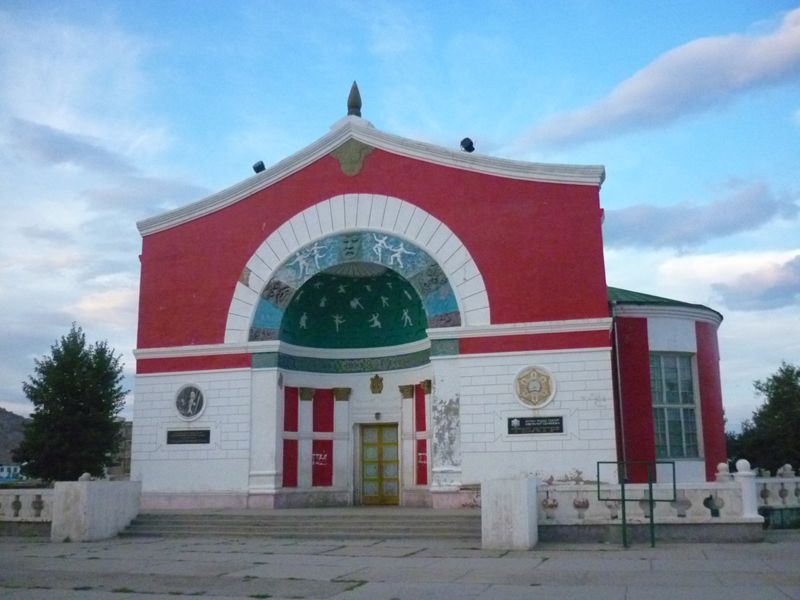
point(77, 396)
point(770, 439)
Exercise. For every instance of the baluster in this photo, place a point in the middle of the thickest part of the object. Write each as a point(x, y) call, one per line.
point(581, 505)
point(765, 494)
point(714, 504)
point(550, 505)
point(682, 504)
point(37, 505)
point(783, 494)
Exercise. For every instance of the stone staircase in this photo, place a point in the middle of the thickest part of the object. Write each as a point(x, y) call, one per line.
point(328, 523)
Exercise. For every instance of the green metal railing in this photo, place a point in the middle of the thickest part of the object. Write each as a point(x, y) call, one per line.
point(622, 469)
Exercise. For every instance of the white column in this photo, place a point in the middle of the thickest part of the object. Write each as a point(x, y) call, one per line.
point(746, 479)
point(266, 421)
point(509, 516)
point(446, 429)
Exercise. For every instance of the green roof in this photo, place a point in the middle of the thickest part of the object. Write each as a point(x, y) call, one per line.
point(620, 296)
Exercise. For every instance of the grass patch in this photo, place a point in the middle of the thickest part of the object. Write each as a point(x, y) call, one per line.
point(82, 588)
point(260, 596)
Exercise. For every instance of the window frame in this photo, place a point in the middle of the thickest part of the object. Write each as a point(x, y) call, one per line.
point(664, 410)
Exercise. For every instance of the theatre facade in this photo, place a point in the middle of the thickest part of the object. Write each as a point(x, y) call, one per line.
point(377, 320)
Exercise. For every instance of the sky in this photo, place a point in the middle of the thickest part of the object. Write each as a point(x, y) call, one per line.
point(115, 111)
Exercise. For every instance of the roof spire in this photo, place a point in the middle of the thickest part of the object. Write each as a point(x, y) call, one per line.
point(354, 101)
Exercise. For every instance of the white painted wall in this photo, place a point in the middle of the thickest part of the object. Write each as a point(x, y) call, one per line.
point(584, 398)
point(221, 465)
point(688, 470)
point(665, 334)
point(244, 413)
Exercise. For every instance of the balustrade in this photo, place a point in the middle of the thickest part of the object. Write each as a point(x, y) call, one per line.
point(26, 505)
point(779, 491)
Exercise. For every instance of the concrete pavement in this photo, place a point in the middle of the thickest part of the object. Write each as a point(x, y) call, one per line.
point(227, 568)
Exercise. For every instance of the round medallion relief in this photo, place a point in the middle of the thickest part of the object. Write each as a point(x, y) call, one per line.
point(534, 386)
point(189, 402)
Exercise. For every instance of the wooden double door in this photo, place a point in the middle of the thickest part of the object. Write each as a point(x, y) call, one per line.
point(380, 465)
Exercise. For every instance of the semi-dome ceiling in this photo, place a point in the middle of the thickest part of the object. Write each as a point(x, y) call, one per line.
point(355, 255)
point(354, 305)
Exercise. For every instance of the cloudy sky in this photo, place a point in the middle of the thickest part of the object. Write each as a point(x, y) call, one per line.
point(111, 112)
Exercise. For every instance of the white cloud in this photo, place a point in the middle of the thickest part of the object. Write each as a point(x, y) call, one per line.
point(70, 61)
point(772, 286)
point(47, 145)
point(116, 307)
point(75, 141)
point(688, 79)
point(694, 275)
point(685, 225)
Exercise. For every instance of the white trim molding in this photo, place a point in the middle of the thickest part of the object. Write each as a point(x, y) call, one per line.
point(694, 313)
point(356, 128)
point(534, 328)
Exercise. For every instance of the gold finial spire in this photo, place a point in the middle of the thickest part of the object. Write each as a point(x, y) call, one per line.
point(354, 101)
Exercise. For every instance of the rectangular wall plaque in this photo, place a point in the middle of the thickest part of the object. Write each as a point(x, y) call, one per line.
point(189, 436)
point(535, 425)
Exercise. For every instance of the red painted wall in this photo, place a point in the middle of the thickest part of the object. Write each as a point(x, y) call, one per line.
point(420, 425)
point(290, 409)
point(290, 450)
point(420, 421)
point(321, 463)
point(710, 398)
point(538, 245)
point(422, 462)
point(290, 463)
point(632, 351)
point(193, 363)
point(539, 341)
point(322, 411)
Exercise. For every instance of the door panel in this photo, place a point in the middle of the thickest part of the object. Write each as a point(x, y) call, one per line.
point(380, 465)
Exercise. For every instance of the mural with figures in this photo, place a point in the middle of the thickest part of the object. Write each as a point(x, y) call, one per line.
point(379, 275)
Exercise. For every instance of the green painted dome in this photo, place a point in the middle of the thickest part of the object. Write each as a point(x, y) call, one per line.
point(354, 305)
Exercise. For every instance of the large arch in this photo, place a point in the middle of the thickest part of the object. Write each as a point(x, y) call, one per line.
point(359, 212)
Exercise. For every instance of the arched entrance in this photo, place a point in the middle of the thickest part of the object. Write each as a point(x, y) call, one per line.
point(338, 303)
point(351, 313)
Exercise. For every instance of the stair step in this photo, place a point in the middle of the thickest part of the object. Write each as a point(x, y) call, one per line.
point(311, 524)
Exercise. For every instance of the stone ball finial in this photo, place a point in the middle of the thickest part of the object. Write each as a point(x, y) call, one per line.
point(354, 101)
point(85, 477)
point(723, 472)
point(743, 465)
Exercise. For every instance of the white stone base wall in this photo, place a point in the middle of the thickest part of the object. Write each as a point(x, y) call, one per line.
point(245, 447)
point(583, 397)
point(221, 466)
point(241, 464)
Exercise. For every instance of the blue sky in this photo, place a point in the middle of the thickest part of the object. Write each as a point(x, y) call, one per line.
point(111, 112)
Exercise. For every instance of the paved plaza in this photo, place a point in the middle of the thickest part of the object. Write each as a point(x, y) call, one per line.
point(222, 568)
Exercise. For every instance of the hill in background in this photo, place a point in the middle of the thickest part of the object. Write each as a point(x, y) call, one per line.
point(11, 432)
